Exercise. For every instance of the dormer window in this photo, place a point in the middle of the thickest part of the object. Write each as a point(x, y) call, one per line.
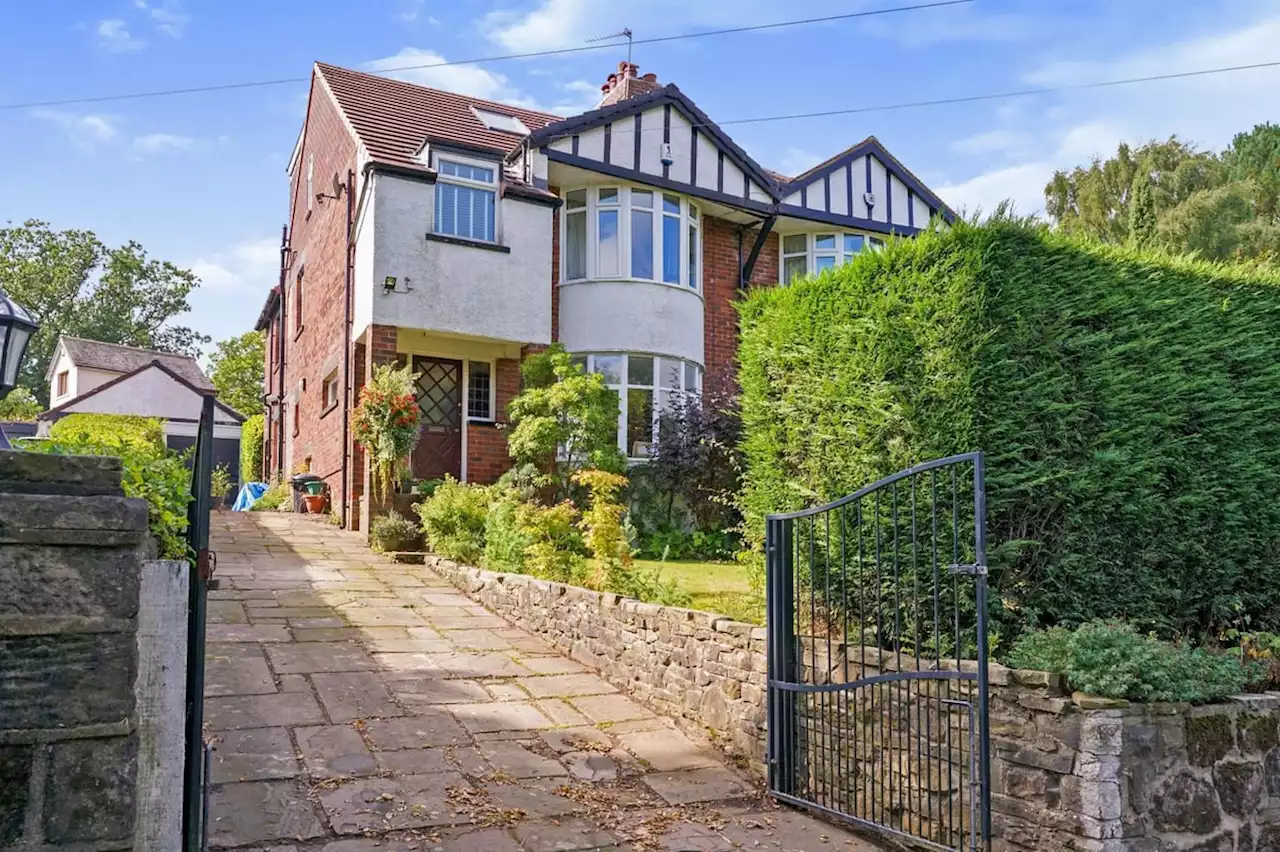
point(466, 198)
point(500, 121)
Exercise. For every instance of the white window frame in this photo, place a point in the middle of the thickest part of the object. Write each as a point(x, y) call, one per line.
point(585, 212)
point(492, 186)
point(811, 251)
point(656, 388)
point(311, 170)
point(690, 218)
point(493, 391)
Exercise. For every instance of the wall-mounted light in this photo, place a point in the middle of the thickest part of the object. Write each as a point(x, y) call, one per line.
point(391, 284)
point(665, 154)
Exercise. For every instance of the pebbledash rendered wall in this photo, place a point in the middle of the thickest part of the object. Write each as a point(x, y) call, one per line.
point(1069, 772)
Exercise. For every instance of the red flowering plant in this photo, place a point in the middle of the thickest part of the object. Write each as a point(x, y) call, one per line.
point(386, 422)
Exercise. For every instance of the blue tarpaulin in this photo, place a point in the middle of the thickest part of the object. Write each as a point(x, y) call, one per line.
point(249, 494)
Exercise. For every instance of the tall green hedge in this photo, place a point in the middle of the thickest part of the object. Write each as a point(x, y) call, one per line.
point(1128, 403)
point(251, 449)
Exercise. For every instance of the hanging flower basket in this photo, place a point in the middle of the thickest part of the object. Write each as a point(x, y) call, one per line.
point(386, 423)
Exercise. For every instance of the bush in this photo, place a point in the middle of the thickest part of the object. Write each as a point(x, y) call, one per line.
point(150, 471)
point(555, 549)
point(1128, 403)
point(453, 518)
point(393, 532)
point(251, 434)
point(277, 495)
point(563, 419)
point(220, 484)
point(690, 544)
point(695, 464)
point(504, 539)
point(1113, 660)
point(386, 422)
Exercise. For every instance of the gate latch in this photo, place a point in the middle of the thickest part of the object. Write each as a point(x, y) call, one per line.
point(967, 570)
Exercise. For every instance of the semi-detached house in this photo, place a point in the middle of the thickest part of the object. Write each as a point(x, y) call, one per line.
point(459, 235)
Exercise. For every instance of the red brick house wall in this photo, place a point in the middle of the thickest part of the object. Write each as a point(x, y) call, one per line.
point(720, 274)
point(318, 245)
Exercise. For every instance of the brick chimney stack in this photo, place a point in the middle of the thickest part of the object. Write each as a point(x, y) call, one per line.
point(625, 83)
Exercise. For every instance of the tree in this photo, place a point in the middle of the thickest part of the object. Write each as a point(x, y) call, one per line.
point(1255, 156)
point(74, 284)
point(20, 405)
point(1095, 201)
point(237, 371)
point(696, 459)
point(1142, 213)
point(564, 418)
point(1209, 222)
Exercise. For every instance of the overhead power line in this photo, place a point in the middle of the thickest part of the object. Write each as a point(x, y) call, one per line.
point(989, 96)
point(280, 81)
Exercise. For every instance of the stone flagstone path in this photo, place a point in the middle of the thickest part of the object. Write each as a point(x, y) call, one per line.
point(361, 706)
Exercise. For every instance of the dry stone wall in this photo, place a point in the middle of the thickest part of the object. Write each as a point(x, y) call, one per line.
point(704, 669)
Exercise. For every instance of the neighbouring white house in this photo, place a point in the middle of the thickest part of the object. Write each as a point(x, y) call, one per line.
point(89, 376)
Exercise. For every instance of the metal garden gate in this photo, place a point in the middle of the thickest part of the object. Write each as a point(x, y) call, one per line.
point(195, 787)
point(877, 647)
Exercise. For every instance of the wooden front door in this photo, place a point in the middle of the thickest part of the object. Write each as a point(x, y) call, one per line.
point(439, 449)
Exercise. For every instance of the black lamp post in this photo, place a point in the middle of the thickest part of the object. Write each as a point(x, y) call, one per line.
point(16, 328)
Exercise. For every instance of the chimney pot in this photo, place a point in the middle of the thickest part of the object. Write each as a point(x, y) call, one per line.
point(650, 78)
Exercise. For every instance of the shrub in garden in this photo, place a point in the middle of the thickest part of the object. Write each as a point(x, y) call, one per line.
point(393, 532)
point(1112, 659)
point(555, 549)
point(277, 495)
point(150, 471)
point(1128, 404)
point(505, 540)
point(220, 484)
point(563, 419)
point(453, 518)
point(386, 422)
point(695, 464)
point(251, 432)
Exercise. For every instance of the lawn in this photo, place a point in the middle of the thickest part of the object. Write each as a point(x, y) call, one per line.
point(720, 587)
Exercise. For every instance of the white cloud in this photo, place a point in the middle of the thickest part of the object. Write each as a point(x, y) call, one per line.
point(463, 79)
point(167, 16)
point(114, 37)
point(168, 143)
point(85, 132)
point(250, 266)
point(1023, 184)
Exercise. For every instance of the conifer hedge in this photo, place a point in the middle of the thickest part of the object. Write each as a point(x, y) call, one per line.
point(1128, 403)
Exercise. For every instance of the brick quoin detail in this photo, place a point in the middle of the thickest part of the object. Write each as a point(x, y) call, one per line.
point(720, 290)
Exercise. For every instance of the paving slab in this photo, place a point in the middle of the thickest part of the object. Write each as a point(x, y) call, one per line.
point(427, 761)
point(237, 668)
point(258, 811)
point(610, 708)
point(334, 751)
point(262, 711)
point(667, 750)
point(222, 633)
point(711, 784)
point(387, 804)
point(226, 612)
point(253, 754)
point(566, 685)
point(354, 695)
point(500, 716)
point(426, 690)
point(308, 657)
point(569, 835)
point(433, 728)
point(515, 760)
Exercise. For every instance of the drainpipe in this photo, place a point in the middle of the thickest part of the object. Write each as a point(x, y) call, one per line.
point(280, 349)
point(346, 349)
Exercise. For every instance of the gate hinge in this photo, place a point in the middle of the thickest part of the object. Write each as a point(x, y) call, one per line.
point(968, 570)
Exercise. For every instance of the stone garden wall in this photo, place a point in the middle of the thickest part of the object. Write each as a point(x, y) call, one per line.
point(1069, 773)
point(695, 666)
point(71, 555)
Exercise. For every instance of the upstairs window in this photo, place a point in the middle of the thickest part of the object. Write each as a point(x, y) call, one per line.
point(805, 254)
point(63, 382)
point(466, 199)
point(297, 302)
point(634, 233)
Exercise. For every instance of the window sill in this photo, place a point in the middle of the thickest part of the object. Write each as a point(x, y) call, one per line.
point(297, 332)
point(679, 287)
point(479, 421)
point(330, 407)
point(463, 241)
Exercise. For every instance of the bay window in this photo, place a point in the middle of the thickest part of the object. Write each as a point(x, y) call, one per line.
point(804, 254)
point(466, 199)
point(630, 233)
point(647, 386)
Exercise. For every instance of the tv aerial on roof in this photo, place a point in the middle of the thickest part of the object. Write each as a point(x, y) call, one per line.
point(625, 32)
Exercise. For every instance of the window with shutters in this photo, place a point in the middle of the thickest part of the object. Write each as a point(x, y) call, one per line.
point(466, 198)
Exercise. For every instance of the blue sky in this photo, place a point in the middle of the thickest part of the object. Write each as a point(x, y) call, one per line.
point(200, 179)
